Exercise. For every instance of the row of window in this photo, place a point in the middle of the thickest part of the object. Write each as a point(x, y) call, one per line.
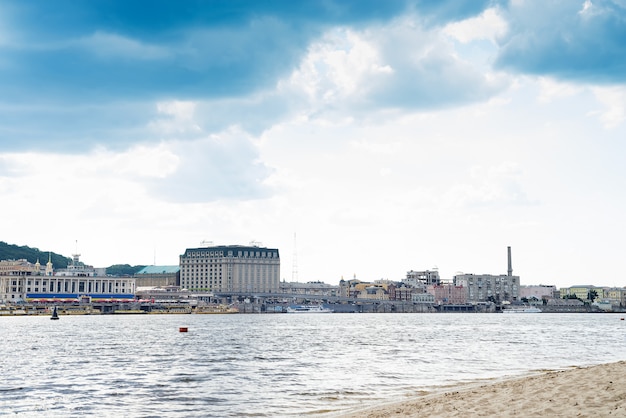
point(244, 254)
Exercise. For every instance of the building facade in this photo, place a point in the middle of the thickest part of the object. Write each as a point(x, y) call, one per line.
point(488, 287)
point(21, 280)
point(616, 296)
point(422, 279)
point(538, 292)
point(581, 292)
point(230, 268)
point(317, 288)
point(158, 276)
point(14, 274)
point(448, 294)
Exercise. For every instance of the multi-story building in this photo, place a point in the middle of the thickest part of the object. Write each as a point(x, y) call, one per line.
point(448, 294)
point(615, 295)
point(488, 287)
point(230, 268)
point(14, 274)
point(422, 279)
point(22, 280)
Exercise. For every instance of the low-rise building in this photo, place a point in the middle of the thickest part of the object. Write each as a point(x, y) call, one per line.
point(581, 292)
point(309, 288)
point(448, 294)
point(423, 298)
point(538, 292)
point(158, 276)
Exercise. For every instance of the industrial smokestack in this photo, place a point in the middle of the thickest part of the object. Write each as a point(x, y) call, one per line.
point(510, 270)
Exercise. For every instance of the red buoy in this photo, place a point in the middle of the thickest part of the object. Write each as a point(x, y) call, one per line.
point(182, 329)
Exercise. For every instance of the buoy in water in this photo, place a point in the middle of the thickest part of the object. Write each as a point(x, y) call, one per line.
point(182, 329)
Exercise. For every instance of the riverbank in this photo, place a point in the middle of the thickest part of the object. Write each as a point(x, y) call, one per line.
point(596, 391)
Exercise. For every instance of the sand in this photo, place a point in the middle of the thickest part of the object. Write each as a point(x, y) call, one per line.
point(596, 391)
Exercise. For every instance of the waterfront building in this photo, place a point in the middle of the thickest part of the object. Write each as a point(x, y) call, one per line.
point(488, 287)
point(158, 276)
point(538, 292)
point(423, 298)
point(422, 279)
point(448, 294)
point(581, 292)
point(76, 268)
point(21, 280)
point(230, 268)
point(366, 290)
point(317, 288)
point(373, 292)
point(401, 291)
point(13, 278)
point(616, 296)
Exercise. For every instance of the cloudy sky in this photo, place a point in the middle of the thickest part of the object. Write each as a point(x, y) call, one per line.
point(358, 137)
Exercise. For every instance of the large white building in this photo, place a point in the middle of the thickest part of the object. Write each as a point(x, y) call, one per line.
point(21, 280)
point(230, 268)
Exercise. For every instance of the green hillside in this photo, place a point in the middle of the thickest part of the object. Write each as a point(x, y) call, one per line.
point(14, 252)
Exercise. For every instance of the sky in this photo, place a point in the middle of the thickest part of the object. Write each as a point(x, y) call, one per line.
point(361, 138)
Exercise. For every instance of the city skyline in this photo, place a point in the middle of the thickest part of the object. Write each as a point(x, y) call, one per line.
point(358, 138)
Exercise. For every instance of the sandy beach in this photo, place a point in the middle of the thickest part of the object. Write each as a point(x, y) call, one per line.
point(596, 391)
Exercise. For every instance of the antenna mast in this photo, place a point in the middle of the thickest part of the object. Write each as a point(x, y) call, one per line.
point(294, 261)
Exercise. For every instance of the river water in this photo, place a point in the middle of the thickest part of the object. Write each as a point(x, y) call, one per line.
point(280, 365)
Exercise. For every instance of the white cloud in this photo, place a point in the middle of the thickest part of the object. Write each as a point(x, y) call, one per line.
point(488, 26)
point(552, 89)
point(337, 68)
point(396, 66)
point(614, 100)
point(499, 185)
point(176, 118)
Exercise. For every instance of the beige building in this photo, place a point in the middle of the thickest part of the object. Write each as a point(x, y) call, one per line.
point(14, 275)
point(615, 295)
point(230, 268)
point(581, 292)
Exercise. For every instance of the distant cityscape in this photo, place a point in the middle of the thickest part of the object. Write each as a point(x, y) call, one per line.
point(246, 278)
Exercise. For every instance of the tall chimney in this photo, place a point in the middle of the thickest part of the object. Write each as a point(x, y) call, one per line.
point(510, 270)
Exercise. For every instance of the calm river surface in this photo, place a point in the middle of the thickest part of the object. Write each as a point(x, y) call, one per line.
point(278, 365)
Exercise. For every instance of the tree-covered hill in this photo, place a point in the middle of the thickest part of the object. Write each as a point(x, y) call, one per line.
point(123, 270)
point(14, 252)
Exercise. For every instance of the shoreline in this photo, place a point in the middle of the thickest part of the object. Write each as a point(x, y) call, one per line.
point(585, 391)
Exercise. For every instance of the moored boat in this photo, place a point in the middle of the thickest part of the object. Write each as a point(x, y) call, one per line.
point(522, 309)
point(308, 309)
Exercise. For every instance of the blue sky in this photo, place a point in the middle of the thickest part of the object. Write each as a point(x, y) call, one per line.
point(384, 136)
